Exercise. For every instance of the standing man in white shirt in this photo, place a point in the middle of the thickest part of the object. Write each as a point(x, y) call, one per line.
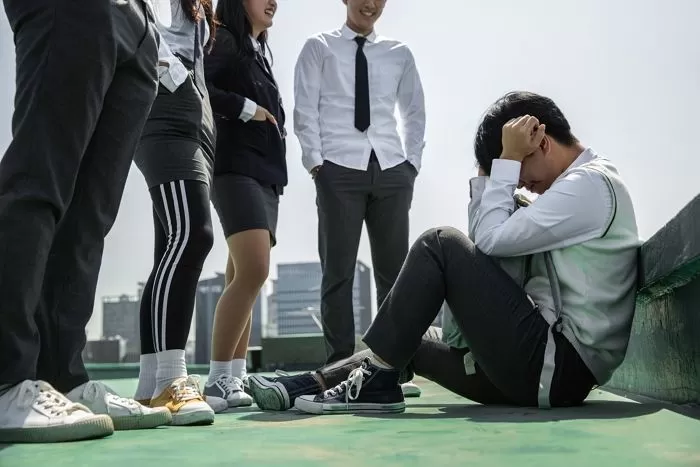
point(347, 85)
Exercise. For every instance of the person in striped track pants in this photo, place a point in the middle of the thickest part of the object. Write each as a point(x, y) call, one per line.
point(176, 156)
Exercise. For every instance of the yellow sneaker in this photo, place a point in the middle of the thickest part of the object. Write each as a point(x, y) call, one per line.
point(186, 403)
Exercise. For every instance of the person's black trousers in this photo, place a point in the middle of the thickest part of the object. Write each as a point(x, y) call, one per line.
point(86, 80)
point(347, 198)
point(506, 334)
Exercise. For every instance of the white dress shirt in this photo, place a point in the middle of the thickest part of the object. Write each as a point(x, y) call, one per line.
point(177, 37)
point(324, 110)
point(578, 207)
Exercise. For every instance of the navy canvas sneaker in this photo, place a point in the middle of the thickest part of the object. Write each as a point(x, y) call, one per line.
point(368, 389)
point(280, 393)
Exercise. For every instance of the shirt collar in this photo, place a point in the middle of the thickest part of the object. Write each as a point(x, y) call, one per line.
point(256, 44)
point(586, 156)
point(349, 34)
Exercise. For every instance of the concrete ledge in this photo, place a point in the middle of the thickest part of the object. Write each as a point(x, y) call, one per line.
point(663, 357)
point(296, 352)
point(102, 371)
point(671, 258)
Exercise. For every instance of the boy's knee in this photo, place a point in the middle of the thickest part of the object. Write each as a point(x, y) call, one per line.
point(443, 236)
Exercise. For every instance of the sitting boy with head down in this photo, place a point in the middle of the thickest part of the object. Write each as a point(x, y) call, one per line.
point(542, 296)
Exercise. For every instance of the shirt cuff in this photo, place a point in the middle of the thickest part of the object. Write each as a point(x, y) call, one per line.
point(505, 170)
point(249, 109)
point(172, 76)
point(477, 186)
point(312, 160)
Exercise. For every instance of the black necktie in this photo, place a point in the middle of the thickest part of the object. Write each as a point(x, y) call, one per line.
point(361, 87)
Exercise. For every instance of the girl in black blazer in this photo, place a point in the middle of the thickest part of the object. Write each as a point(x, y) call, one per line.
point(250, 172)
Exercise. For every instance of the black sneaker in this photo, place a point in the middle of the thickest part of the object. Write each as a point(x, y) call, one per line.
point(281, 392)
point(368, 389)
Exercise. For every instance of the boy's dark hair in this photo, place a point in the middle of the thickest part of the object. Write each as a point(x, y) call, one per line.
point(487, 144)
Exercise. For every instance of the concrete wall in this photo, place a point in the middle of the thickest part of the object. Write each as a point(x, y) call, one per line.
point(663, 357)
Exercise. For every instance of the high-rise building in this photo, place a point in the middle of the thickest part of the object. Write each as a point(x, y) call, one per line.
point(256, 324)
point(120, 318)
point(271, 323)
point(297, 298)
point(105, 351)
point(208, 293)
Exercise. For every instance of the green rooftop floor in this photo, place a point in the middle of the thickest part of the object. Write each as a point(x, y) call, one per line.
point(437, 429)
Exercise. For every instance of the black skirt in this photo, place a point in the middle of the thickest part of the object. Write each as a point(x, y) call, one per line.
point(179, 137)
point(243, 203)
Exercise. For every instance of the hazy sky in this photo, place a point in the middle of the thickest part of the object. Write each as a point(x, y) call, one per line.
point(626, 74)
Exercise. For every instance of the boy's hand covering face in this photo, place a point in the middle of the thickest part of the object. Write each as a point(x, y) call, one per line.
point(521, 137)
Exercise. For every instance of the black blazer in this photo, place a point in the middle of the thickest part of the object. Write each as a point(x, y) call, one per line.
point(252, 148)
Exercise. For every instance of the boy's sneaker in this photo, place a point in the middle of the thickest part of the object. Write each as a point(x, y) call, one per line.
point(280, 393)
point(34, 412)
point(368, 389)
point(410, 389)
point(230, 389)
point(126, 414)
point(246, 385)
point(186, 403)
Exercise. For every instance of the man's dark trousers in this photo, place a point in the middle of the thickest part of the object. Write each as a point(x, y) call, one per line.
point(345, 198)
point(86, 80)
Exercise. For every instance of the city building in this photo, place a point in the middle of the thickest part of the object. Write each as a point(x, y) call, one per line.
point(208, 293)
point(297, 298)
point(120, 319)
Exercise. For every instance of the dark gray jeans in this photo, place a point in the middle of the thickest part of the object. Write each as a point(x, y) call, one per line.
point(86, 80)
point(505, 333)
point(345, 198)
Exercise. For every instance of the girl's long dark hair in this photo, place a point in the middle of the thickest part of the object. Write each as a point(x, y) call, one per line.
point(191, 9)
point(231, 15)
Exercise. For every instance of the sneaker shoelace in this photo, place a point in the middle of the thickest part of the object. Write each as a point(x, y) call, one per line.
point(186, 389)
point(46, 397)
point(230, 384)
point(351, 386)
point(94, 390)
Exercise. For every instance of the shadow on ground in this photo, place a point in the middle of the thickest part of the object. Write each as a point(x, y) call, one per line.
point(593, 410)
point(286, 416)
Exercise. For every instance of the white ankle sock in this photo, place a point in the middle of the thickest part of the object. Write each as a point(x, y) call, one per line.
point(380, 364)
point(147, 377)
point(171, 366)
point(238, 369)
point(217, 369)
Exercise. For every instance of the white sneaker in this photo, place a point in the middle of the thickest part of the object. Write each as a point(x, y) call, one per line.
point(410, 389)
point(34, 412)
point(217, 404)
point(230, 389)
point(126, 414)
